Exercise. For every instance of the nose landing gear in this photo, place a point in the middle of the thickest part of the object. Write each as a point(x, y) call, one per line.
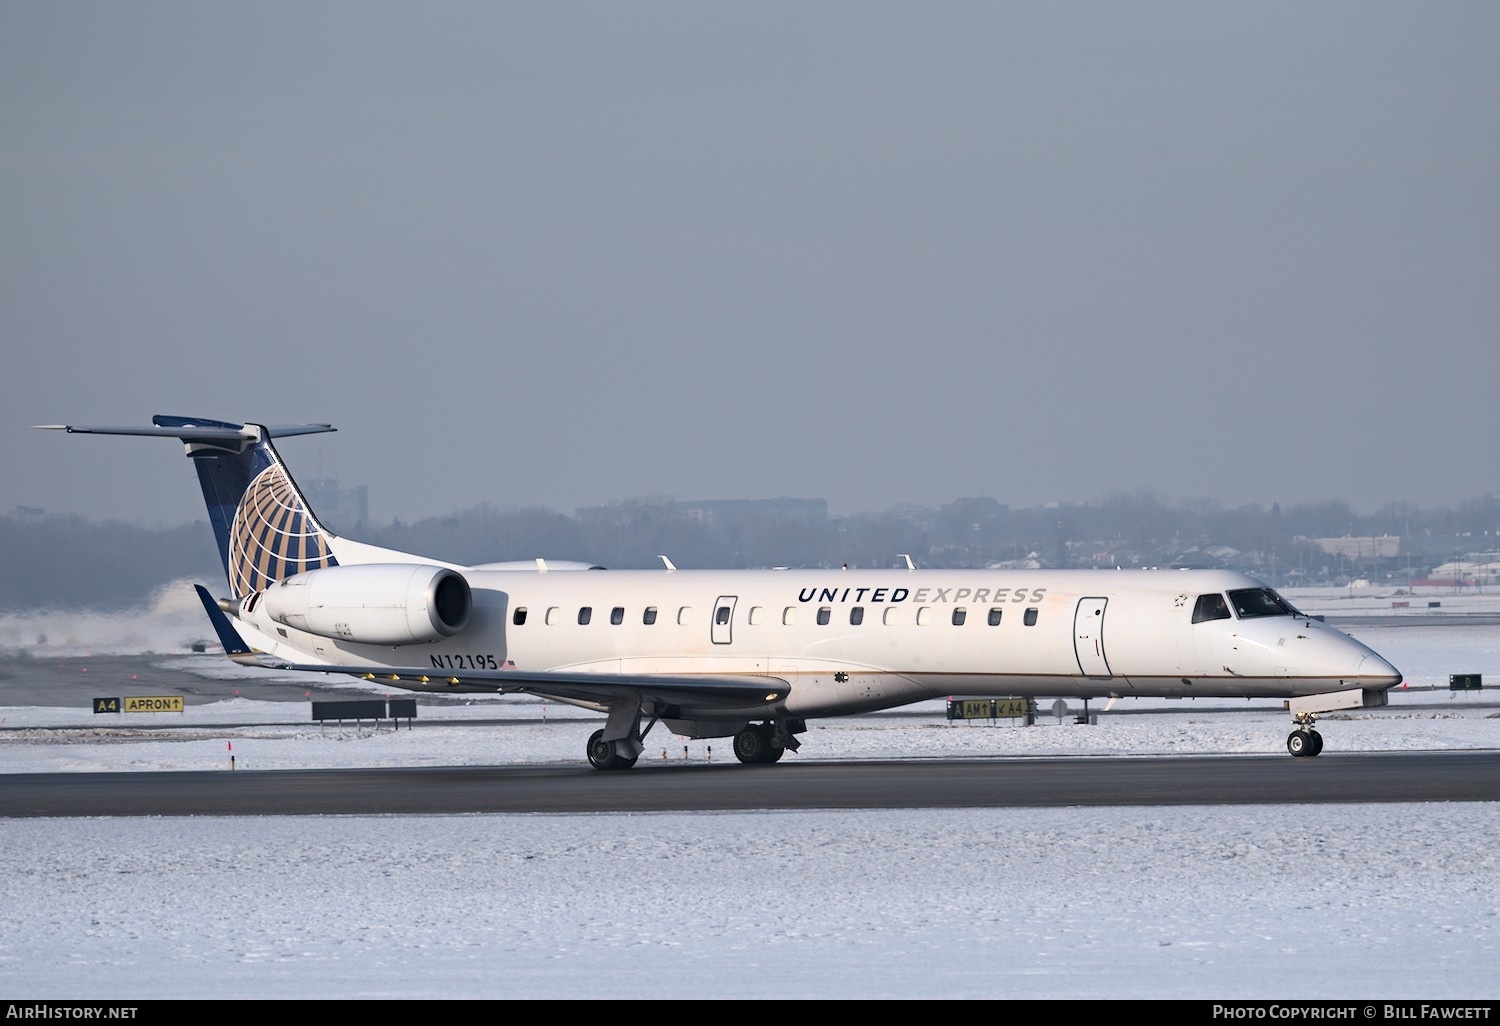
point(1304, 741)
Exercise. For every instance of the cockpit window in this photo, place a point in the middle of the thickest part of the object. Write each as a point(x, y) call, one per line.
point(1210, 607)
point(1253, 602)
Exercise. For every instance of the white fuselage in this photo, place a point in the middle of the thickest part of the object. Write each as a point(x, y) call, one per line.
point(850, 641)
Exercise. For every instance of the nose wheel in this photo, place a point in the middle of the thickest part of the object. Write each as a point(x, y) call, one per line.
point(1304, 741)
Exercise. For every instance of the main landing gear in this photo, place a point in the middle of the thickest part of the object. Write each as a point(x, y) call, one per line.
point(609, 755)
point(761, 743)
point(758, 742)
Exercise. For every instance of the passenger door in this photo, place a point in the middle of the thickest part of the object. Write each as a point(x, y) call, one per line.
point(1088, 638)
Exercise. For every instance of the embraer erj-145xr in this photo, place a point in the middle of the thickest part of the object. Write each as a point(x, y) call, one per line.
point(747, 654)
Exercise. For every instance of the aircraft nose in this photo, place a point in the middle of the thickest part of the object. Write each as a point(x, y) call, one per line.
point(1375, 669)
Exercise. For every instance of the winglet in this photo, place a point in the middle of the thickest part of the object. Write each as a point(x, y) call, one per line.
point(234, 645)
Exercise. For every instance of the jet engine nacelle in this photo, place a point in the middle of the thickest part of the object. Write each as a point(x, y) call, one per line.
point(374, 603)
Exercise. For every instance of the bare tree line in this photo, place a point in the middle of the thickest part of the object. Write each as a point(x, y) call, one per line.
point(68, 561)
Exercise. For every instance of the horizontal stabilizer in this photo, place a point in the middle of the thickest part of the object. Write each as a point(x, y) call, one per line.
point(265, 529)
point(190, 429)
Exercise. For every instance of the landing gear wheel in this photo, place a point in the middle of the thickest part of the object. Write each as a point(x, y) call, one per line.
point(603, 754)
point(753, 744)
point(1304, 742)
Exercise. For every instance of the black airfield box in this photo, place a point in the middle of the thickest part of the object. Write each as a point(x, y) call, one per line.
point(1465, 681)
point(368, 709)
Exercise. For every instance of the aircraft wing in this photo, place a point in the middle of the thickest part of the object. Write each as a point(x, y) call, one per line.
point(705, 692)
point(699, 692)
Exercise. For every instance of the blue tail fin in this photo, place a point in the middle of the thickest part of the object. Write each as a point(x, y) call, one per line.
point(265, 530)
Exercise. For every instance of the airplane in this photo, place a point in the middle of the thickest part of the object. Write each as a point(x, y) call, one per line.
point(747, 654)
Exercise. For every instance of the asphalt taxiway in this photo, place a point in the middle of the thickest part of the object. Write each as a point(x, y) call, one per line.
point(991, 782)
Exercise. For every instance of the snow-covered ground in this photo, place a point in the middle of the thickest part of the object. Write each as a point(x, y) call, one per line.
point(1355, 902)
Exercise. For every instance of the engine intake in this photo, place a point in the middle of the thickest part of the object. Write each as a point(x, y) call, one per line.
point(373, 603)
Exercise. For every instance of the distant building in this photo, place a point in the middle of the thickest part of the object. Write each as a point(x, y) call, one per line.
point(1383, 547)
point(343, 509)
point(1476, 570)
point(712, 512)
point(980, 508)
point(783, 510)
point(922, 516)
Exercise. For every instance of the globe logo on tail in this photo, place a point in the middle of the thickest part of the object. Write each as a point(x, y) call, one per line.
point(273, 535)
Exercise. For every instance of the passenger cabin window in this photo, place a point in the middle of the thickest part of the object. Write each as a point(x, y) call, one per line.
point(924, 616)
point(684, 614)
point(552, 614)
point(1030, 618)
point(789, 615)
point(1253, 602)
point(617, 615)
point(856, 616)
point(519, 616)
point(585, 614)
point(1210, 607)
point(959, 616)
point(757, 614)
point(649, 616)
point(721, 615)
point(889, 616)
point(824, 615)
point(995, 617)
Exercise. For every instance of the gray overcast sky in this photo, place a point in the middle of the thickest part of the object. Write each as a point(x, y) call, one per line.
point(567, 253)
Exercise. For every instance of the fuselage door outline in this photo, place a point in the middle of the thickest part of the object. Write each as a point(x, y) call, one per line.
point(722, 622)
point(1088, 638)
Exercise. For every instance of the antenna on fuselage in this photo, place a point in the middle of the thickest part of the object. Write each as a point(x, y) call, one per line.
point(667, 563)
point(909, 564)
